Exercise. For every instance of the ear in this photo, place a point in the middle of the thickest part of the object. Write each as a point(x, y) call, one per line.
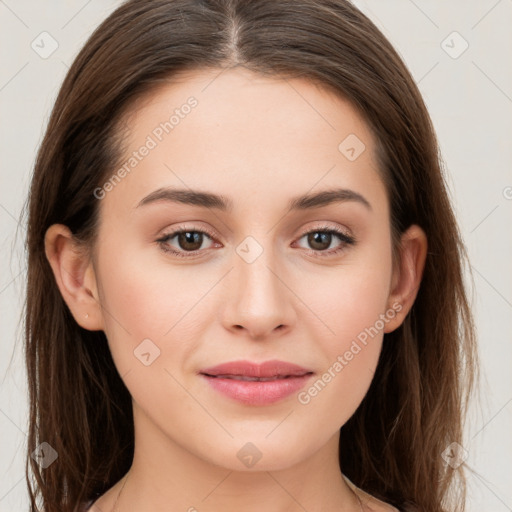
point(407, 275)
point(75, 277)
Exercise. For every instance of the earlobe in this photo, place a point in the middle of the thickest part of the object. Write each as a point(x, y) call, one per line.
point(407, 274)
point(74, 275)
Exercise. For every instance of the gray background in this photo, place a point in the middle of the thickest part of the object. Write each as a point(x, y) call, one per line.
point(469, 96)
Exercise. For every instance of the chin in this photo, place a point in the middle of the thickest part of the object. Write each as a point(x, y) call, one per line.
point(259, 453)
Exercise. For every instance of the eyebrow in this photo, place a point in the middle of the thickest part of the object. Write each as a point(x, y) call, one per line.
point(222, 203)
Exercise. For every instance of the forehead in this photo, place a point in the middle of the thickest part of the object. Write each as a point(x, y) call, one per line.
point(245, 136)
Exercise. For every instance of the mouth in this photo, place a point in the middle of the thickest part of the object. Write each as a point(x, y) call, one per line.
point(257, 384)
point(254, 379)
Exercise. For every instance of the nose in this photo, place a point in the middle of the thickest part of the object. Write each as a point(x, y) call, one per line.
point(259, 300)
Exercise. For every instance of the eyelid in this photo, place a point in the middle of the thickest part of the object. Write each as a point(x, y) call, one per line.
point(326, 227)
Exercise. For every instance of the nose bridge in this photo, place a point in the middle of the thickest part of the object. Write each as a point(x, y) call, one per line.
point(259, 301)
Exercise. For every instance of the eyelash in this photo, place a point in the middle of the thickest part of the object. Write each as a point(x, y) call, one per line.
point(346, 240)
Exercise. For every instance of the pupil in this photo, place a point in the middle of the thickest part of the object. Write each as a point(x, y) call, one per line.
point(190, 240)
point(319, 241)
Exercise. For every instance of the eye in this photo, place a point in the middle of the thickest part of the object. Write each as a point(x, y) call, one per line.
point(187, 240)
point(321, 239)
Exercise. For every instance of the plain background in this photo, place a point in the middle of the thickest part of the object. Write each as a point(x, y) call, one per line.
point(469, 95)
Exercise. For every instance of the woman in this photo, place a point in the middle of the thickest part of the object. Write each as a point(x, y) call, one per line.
point(245, 283)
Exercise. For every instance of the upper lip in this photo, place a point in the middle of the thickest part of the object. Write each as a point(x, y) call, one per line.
point(273, 368)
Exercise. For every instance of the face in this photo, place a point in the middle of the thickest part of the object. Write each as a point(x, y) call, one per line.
point(254, 274)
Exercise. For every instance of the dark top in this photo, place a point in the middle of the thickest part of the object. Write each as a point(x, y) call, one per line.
point(86, 506)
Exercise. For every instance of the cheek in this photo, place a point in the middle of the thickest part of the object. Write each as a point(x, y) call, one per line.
point(351, 298)
point(142, 300)
point(352, 309)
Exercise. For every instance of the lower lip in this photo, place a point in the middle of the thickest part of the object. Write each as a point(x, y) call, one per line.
point(258, 392)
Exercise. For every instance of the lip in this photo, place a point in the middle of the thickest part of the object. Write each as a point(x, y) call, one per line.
point(240, 380)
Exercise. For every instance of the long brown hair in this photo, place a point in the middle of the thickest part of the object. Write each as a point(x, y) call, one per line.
point(392, 446)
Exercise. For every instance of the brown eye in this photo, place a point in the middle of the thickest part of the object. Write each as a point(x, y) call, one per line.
point(190, 240)
point(319, 240)
point(183, 241)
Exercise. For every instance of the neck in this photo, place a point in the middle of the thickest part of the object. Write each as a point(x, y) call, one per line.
point(167, 476)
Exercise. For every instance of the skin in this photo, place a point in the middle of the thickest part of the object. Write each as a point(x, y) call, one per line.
point(259, 142)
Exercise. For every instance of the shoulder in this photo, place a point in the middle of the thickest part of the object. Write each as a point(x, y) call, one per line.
point(87, 506)
point(371, 503)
